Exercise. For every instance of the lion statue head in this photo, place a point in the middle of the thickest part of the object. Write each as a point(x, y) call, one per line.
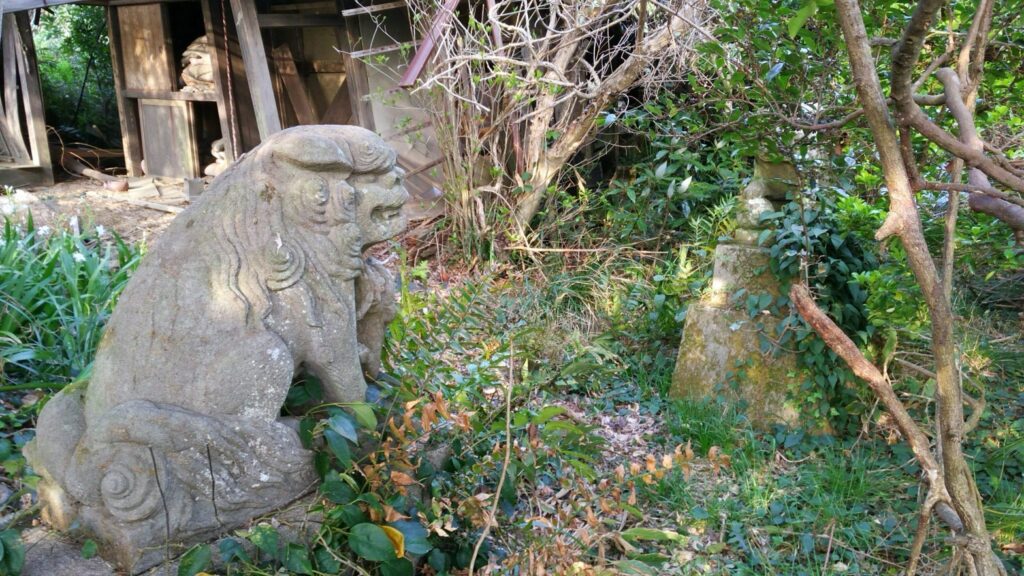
point(307, 203)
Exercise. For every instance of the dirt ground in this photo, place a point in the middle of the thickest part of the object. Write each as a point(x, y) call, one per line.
point(93, 205)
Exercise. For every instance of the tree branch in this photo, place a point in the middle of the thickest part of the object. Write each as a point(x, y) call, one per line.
point(840, 343)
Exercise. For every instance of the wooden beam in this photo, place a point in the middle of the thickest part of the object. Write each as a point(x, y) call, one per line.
point(12, 103)
point(380, 50)
point(21, 5)
point(339, 111)
point(374, 8)
point(135, 2)
point(426, 48)
point(218, 61)
point(298, 20)
point(293, 85)
point(356, 78)
point(127, 110)
point(256, 69)
point(32, 94)
point(324, 67)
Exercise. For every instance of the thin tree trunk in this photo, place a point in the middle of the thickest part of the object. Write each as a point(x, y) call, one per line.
point(904, 222)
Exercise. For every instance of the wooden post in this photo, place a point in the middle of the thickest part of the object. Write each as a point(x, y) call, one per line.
point(257, 71)
point(219, 62)
point(32, 93)
point(127, 109)
point(355, 70)
point(14, 138)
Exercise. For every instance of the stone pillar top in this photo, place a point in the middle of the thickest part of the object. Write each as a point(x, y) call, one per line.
point(771, 183)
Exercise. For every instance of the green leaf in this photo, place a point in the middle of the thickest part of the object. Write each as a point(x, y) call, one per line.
point(296, 559)
point(369, 542)
point(266, 539)
point(196, 560)
point(325, 562)
point(396, 567)
point(342, 423)
point(231, 549)
point(634, 567)
point(547, 413)
point(659, 172)
point(339, 447)
point(802, 15)
point(13, 551)
point(364, 415)
point(685, 185)
point(416, 536)
point(652, 534)
point(439, 561)
point(337, 491)
point(89, 549)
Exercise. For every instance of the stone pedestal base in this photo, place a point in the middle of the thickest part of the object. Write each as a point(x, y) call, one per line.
point(720, 352)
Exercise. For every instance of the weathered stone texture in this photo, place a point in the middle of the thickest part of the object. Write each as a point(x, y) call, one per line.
point(177, 436)
point(721, 348)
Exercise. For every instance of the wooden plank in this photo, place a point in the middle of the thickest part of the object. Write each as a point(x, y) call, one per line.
point(168, 138)
point(218, 61)
point(419, 60)
point(324, 67)
point(374, 8)
point(257, 71)
point(137, 202)
point(135, 2)
point(298, 20)
point(170, 95)
point(12, 103)
point(339, 111)
point(31, 93)
point(244, 130)
point(20, 5)
point(290, 7)
point(127, 111)
point(356, 79)
point(24, 176)
point(14, 138)
point(380, 50)
point(293, 85)
point(148, 55)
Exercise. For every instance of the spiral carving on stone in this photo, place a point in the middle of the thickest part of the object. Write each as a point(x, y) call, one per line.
point(286, 264)
point(129, 486)
point(372, 157)
point(313, 199)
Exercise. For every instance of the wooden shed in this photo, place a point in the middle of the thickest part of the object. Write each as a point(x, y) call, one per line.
point(274, 64)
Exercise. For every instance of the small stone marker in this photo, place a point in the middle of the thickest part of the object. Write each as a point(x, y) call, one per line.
point(176, 438)
point(719, 336)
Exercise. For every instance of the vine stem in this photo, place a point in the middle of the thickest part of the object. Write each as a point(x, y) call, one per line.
point(508, 458)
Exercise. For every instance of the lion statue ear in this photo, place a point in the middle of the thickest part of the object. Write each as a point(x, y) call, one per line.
point(311, 150)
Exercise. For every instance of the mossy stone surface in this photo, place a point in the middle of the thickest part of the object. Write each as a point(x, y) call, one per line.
point(720, 355)
point(738, 266)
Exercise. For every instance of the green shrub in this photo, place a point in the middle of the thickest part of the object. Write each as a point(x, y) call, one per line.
point(57, 290)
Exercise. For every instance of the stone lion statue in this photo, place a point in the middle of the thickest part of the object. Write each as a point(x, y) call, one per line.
point(178, 436)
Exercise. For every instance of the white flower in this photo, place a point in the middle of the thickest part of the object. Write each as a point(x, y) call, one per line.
point(43, 231)
point(78, 257)
point(100, 230)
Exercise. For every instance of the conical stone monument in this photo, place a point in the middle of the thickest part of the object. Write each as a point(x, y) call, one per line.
point(721, 349)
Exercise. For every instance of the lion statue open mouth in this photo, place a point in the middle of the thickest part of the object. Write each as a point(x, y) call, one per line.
point(177, 435)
